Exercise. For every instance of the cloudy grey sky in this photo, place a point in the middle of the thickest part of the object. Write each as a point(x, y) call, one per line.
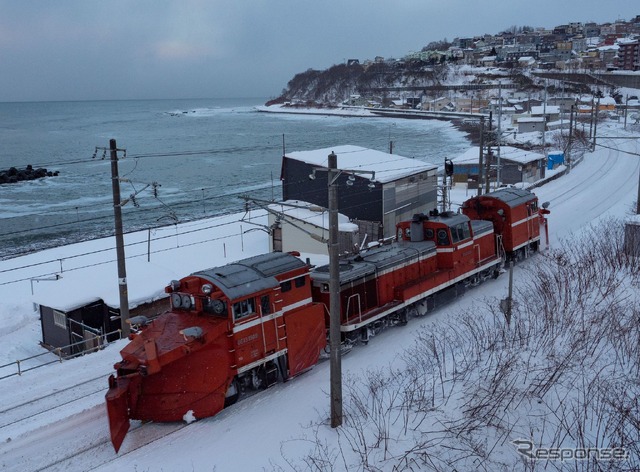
point(128, 49)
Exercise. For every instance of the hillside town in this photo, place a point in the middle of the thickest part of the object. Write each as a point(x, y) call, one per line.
point(463, 75)
point(571, 47)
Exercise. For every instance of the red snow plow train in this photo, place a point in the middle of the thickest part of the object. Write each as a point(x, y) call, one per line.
point(247, 325)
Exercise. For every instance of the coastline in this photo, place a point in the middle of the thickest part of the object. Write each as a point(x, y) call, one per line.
point(465, 122)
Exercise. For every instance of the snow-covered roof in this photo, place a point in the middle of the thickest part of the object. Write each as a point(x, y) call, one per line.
point(540, 110)
point(388, 167)
point(312, 214)
point(531, 119)
point(521, 156)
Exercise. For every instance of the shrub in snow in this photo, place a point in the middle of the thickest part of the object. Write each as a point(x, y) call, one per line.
point(563, 375)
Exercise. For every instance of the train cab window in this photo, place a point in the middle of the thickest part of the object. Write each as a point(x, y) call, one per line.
point(243, 309)
point(300, 281)
point(443, 237)
point(265, 305)
point(285, 286)
point(460, 232)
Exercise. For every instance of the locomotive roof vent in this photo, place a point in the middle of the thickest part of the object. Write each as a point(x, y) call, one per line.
point(139, 320)
point(194, 332)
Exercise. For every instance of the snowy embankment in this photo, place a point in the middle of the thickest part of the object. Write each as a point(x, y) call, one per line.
point(472, 357)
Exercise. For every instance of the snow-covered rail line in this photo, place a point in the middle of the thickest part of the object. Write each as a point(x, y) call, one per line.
point(55, 399)
point(101, 453)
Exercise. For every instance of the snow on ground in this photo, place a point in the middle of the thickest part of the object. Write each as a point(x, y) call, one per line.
point(256, 432)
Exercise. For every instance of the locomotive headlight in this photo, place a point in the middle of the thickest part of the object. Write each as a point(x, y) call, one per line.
point(186, 302)
point(207, 289)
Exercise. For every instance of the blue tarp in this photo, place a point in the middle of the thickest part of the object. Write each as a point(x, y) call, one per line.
point(554, 159)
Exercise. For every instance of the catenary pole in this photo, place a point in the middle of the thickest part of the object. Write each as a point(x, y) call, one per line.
point(334, 296)
point(570, 140)
point(480, 159)
point(117, 213)
point(595, 123)
point(487, 182)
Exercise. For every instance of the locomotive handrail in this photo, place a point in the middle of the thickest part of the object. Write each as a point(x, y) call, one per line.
point(59, 351)
point(359, 306)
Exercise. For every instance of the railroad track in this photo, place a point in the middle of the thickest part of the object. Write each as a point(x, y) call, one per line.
point(13, 417)
point(100, 453)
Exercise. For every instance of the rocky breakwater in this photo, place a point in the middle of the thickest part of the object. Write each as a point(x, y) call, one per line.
point(14, 175)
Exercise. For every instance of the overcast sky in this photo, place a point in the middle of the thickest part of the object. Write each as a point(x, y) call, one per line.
point(135, 49)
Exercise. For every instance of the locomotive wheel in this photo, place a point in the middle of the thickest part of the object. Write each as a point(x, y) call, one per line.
point(233, 394)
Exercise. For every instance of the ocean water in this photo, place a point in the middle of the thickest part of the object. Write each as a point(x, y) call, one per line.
point(198, 155)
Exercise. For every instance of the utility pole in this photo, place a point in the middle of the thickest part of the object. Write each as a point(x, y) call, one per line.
point(626, 110)
point(498, 176)
point(591, 120)
point(480, 160)
point(595, 124)
point(570, 141)
point(489, 157)
point(334, 295)
point(544, 123)
point(335, 358)
point(117, 213)
point(638, 200)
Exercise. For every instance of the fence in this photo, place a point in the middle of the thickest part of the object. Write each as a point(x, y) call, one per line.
point(97, 342)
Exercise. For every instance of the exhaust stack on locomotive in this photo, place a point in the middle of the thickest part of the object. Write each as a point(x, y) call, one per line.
point(242, 326)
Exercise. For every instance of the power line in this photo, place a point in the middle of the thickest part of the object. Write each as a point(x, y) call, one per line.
point(89, 253)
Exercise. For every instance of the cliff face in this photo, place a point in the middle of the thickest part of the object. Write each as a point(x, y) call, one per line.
point(335, 84)
point(332, 86)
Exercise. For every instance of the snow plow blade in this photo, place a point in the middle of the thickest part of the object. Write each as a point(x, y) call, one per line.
point(118, 410)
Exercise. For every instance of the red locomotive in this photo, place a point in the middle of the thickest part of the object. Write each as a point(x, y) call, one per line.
point(249, 324)
point(244, 325)
point(515, 216)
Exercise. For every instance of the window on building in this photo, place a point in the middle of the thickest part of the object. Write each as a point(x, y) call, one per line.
point(60, 319)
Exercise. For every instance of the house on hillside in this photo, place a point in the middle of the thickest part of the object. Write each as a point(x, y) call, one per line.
point(530, 124)
point(375, 189)
point(439, 104)
point(549, 112)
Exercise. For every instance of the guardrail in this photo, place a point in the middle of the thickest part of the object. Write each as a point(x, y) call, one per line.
point(100, 340)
